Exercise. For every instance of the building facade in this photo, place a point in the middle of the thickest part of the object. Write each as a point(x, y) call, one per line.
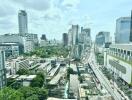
point(65, 39)
point(75, 33)
point(118, 59)
point(2, 70)
point(70, 37)
point(122, 34)
point(131, 29)
point(102, 38)
point(23, 22)
point(12, 49)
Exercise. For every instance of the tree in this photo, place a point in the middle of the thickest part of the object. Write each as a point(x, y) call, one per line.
point(81, 78)
point(27, 91)
point(23, 93)
point(48, 51)
point(22, 71)
point(10, 81)
point(42, 93)
point(10, 94)
point(33, 97)
point(38, 81)
point(30, 93)
point(70, 70)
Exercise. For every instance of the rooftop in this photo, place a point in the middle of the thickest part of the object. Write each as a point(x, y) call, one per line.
point(27, 77)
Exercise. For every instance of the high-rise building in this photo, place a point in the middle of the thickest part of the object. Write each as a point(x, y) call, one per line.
point(23, 22)
point(75, 31)
point(43, 37)
point(102, 38)
point(2, 70)
point(65, 39)
point(122, 34)
point(70, 37)
point(131, 29)
point(85, 36)
point(43, 41)
point(87, 31)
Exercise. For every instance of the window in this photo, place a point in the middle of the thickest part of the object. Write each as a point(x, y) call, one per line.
point(124, 51)
point(128, 53)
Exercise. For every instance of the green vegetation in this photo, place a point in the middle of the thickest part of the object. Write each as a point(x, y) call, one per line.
point(69, 71)
point(119, 58)
point(23, 93)
point(99, 58)
point(81, 78)
point(22, 71)
point(38, 81)
point(49, 51)
point(13, 83)
point(10, 94)
point(15, 91)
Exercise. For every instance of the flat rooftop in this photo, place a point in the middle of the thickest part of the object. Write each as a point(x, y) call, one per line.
point(26, 77)
point(52, 98)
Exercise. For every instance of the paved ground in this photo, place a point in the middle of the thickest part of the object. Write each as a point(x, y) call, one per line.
point(74, 80)
point(104, 81)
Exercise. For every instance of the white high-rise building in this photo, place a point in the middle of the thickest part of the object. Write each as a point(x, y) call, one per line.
point(2, 70)
point(75, 30)
point(70, 37)
point(122, 34)
point(23, 22)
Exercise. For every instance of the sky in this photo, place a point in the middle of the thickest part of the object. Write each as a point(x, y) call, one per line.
point(54, 17)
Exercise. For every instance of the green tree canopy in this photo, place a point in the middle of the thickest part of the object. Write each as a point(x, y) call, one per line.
point(10, 94)
point(22, 71)
point(38, 81)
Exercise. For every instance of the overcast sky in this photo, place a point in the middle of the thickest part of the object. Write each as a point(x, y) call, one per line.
point(54, 17)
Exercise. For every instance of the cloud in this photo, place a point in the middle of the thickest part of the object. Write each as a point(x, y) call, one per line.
point(6, 10)
point(70, 3)
point(34, 4)
point(51, 17)
point(8, 25)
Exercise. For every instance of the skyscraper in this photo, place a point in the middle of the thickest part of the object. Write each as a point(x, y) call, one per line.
point(70, 37)
point(131, 29)
point(75, 31)
point(102, 38)
point(2, 70)
point(23, 22)
point(43, 37)
point(122, 34)
point(65, 39)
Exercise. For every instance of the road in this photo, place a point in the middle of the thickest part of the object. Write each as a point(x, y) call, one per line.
point(74, 83)
point(104, 81)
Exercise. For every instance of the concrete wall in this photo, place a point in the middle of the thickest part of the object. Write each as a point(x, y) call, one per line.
point(125, 76)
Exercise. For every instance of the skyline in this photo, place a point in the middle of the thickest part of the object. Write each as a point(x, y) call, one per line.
point(43, 15)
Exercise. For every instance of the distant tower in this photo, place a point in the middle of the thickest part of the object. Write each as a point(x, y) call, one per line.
point(131, 29)
point(23, 22)
point(43, 37)
point(65, 39)
point(75, 32)
point(2, 70)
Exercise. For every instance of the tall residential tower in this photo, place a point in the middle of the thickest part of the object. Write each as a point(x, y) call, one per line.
point(23, 22)
point(2, 70)
point(122, 34)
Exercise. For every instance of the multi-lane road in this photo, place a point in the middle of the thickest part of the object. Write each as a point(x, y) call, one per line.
point(103, 80)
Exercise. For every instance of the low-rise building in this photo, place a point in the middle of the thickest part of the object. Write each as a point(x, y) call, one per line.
point(25, 79)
